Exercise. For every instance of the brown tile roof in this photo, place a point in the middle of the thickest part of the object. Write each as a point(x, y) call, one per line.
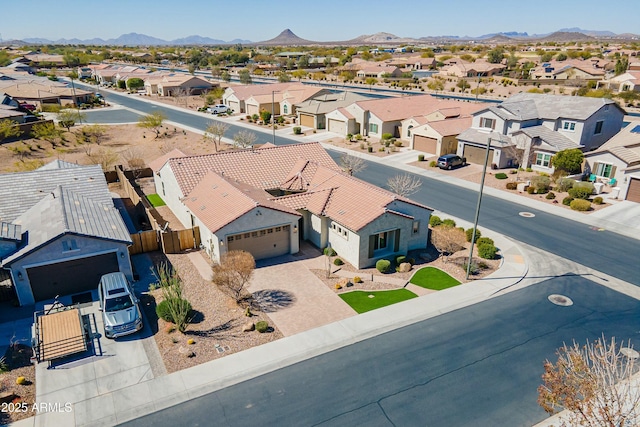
point(246, 91)
point(217, 201)
point(265, 168)
point(451, 126)
point(157, 164)
point(391, 109)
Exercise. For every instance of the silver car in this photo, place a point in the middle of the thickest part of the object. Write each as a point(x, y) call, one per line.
point(120, 312)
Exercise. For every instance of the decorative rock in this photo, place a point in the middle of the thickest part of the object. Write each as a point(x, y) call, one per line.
point(248, 327)
point(342, 283)
point(404, 267)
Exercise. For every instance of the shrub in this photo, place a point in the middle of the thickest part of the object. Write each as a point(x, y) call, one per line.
point(448, 222)
point(164, 311)
point(501, 175)
point(400, 259)
point(550, 196)
point(541, 183)
point(4, 367)
point(512, 185)
point(397, 143)
point(433, 164)
point(513, 171)
point(487, 251)
point(338, 261)
point(191, 341)
point(531, 189)
point(357, 279)
point(469, 233)
point(411, 261)
point(262, 326)
point(567, 200)
point(580, 191)
point(484, 241)
point(329, 251)
point(21, 380)
point(421, 157)
point(435, 221)
point(564, 184)
point(338, 286)
point(387, 136)
point(529, 170)
point(597, 200)
point(383, 265)
point(474, 268)
point(580, 205)
point(297, 130)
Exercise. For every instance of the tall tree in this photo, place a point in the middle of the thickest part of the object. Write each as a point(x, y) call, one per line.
point(214, 133)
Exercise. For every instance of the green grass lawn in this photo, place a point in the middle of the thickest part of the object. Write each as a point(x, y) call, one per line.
point(361, 303)
point(155, 200)
point(433, 278)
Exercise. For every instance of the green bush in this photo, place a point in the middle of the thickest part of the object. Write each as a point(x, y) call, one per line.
point(163, 310)
point(329, 251)
point(435, 221)
point(567, 200)
point(531, 189)
point(597, 200)
point(550, 196)
point(581, 191)
point(338, 261)
point(580, 205)
point(448, 222)
point(400, 259)
point(473, 269)
point(484, 241)
point(383, 265)
point(512, 185)
point(529, 170)
point(433, 164)
point(541, 183)
point(564, 184)
point(469, 233)
point(262, 326)
point(421, 157)
point(387, 136)
point(487, 251)
point(297, 130)
point(501, 175)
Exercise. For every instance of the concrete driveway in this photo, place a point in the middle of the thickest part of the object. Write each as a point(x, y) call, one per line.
point(293, 297)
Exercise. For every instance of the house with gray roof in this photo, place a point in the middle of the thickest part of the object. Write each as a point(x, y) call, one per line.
point(528, 129)
point(60, 231)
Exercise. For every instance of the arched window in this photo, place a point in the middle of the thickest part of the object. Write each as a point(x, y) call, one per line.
point(285, 109)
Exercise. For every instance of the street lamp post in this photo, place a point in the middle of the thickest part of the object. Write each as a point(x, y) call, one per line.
point(475, 221)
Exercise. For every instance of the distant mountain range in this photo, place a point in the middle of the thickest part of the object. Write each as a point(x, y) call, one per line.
point(288, 38)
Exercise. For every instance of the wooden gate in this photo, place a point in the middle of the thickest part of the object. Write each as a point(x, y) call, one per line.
point(144, 241)
point(176, 241)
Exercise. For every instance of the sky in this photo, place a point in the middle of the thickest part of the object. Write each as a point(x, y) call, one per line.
point(327, 20)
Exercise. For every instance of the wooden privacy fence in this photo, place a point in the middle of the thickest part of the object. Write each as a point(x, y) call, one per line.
point(170, 241)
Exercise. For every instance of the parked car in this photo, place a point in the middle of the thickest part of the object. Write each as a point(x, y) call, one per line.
point(449, 161)
point(217, 109)
point(119, 306)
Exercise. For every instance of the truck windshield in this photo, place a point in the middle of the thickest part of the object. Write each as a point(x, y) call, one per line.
point(118, 303)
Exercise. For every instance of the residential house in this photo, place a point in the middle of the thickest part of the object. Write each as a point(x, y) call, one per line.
point(528, 129)
point(378, 70)
point(266, 200)
point(629, 81)
point(617, 162)
point(567, 70)
point(40, 91)
point(282, 102)
point(439, 137)
point(312, 113)
point(479, 68)
point(187, 84)
point(235, 97)
point(60, 231)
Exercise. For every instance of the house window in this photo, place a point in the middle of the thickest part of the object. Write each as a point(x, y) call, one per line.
point(487, 123)
point(163, 193)
point(380, 241)
point(69, 245)
point(570, 126)
point(603, 169)
point(543, 159)
point(416, 227)
point(409, 130)
point(598, 127)
point(373, 128)
point(285, 109)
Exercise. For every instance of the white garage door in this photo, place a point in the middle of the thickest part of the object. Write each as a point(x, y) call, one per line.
point(235, 106)
point(337, 126)
point(265, 243)
point(252, 109)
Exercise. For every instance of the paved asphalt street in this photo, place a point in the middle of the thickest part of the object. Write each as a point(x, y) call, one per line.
point(605, 251)
point(477, 366)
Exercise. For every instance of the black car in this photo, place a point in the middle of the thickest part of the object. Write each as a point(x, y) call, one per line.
point(449, 161)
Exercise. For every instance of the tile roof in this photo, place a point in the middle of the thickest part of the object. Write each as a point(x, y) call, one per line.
point(65, 211)
point(157, 164)
point(218, 201)
point(535, 105)
point(243, 92)
point(328, 102)
point(451, 126)
point(553, 140)
point(392, 109)
point(481, 136)
point(265, 168)
point(625, 144)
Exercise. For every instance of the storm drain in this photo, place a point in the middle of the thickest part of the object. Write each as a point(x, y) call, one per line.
point(560, 300)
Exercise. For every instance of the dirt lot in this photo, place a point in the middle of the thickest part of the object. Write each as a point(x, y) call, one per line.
point(20, 397)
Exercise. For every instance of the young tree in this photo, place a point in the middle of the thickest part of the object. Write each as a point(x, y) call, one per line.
point(233, 274)
point(404, 185)
point(569, 160)
point(152, 122)
point(47, 131)
point(214, 133)
point(244, 139)
point(225, 76)
point(494, 56)
point(135, 83)
point(352, 164)
point(463, 84)
point(370, 81)
point(245, 76)
point(67, 118)
point(435, 84)
point(447, 240)
point(9, 129)
point(135, 161)
point(94, 133)
point(283, 77)
point(104, 157)
point(594, 383)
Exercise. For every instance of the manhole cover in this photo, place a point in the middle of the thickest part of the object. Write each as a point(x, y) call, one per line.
point(527, 214)
point(629, 352)
point(560, 300)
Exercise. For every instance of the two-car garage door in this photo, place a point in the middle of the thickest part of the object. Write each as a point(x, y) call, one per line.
point(425, 144)
point(265, 243)
point(70, 277)
point(633, 193)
